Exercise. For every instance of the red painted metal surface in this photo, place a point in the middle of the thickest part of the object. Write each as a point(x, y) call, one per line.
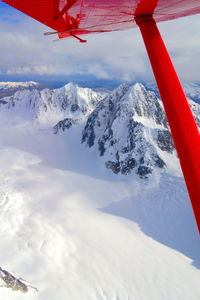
point(88, 16)
point(183, 127)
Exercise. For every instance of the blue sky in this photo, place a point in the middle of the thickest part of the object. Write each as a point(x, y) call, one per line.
point(26, 52)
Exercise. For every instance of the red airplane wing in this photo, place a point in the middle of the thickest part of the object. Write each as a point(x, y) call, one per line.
point(87, 16)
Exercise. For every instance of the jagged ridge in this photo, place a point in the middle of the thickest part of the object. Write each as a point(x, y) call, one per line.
point(127, 127)
point(52, 106)
point(130, 130)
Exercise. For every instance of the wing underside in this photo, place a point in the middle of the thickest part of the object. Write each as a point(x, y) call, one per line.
point(75, 17)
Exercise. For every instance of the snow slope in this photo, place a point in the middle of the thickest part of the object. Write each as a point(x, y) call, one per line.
point(74, 230)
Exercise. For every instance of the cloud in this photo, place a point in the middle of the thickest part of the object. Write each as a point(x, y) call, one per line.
point(40, 70)
point(118, 55)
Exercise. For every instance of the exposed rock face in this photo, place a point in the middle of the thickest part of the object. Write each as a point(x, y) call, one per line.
point(64, 124)
point(164, 140)
point(2, 102)
point(12, 282)
point(130, 131)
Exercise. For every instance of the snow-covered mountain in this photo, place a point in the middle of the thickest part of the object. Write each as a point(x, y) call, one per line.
point(8, 88)
point(127, 127)
point(51, 106)
point(130, 130)
point(191, 89)
point(9, 85)
point(70, 228)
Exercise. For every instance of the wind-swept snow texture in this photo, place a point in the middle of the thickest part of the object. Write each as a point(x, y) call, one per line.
point(75, 230)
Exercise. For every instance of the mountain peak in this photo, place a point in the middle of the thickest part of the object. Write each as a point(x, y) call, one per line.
point(130, 131)
point(138, 86)
point(120, 91)
point(50, 107)
point(70, 85)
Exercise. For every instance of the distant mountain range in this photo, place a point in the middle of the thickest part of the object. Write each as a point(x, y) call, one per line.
point(8, 88)
point(127, 127)
point(192, 90)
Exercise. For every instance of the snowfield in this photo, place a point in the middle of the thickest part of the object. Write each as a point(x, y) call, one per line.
point(73, 230)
